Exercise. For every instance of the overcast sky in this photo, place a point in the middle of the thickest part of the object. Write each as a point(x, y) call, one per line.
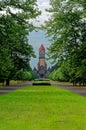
point(38, 38)
point(42, 5)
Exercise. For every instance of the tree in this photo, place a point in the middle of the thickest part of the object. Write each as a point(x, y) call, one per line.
point(15, 26)
point(67, 27)
point(5, 64)
point(23, 75)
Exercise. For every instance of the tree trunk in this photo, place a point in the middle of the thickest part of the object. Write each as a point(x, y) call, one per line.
point(7, 82)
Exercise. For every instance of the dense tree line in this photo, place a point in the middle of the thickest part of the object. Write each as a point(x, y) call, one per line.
point(67, 27)
point(15, 26)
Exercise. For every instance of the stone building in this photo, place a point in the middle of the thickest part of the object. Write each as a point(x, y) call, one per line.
point(42, 65)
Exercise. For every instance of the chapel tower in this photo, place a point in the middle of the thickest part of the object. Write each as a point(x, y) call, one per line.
point(42, 66)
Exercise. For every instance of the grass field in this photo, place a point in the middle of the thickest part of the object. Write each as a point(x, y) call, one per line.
point(42, 108)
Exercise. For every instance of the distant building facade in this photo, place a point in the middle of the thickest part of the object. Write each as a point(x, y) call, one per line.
point(42, 65)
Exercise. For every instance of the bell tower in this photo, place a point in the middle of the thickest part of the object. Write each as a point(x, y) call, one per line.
point(41, 52)
point(42, 66)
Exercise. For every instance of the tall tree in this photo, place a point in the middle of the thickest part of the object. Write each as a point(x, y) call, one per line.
point(67, 27)
point(15, 23)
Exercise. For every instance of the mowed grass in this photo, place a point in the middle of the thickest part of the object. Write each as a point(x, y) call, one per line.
point(42, 108)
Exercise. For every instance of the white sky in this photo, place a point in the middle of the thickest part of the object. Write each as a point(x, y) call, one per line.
point(38, 38)
point(42, 5)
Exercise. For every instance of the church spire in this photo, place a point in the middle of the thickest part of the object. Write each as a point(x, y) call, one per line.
point(42, 52)
point(42, 48)
point(42, 66)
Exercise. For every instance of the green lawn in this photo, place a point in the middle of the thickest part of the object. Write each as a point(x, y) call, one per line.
point(42, 108)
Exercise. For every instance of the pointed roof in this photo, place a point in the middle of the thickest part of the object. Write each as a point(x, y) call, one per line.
point(41, 47)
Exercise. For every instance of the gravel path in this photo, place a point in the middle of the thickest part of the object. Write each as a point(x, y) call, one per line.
point(76, 89)
point(7, 89)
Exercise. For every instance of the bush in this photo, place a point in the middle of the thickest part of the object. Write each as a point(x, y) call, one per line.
point(41, 83)
point(27, 76)
point(41, 79)
point(23, 75)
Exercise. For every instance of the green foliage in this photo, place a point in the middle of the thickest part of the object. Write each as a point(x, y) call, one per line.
point(27, 76)
point(24, 75)
point(34, 75)
point(67, 29)
point(5, 64)
point(42, 79)
point(41, 82)
point(15, 26)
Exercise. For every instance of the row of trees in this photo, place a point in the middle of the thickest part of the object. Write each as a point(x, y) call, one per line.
point(67, 28)
point(15, 26)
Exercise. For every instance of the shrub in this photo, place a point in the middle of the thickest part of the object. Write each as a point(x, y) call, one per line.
point(41, 79)
point(41, 83)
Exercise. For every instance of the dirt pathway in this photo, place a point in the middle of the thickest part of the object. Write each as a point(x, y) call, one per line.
point(7, 89)
point(76, 89)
